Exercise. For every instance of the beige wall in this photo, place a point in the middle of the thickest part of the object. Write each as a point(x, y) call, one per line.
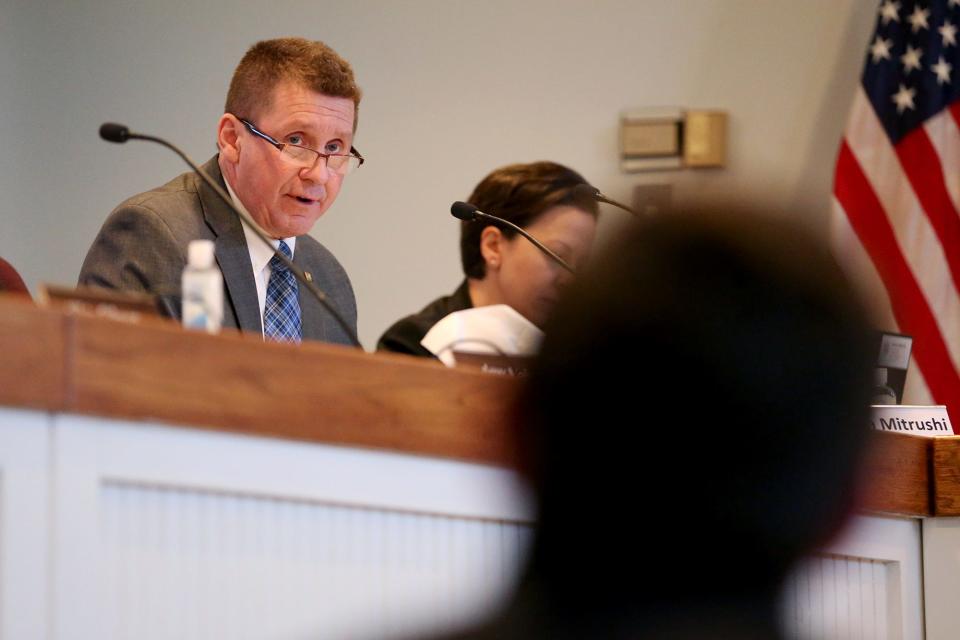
point(453, 89)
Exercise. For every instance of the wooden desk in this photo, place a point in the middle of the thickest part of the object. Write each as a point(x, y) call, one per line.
point(162, 483)
point(313, 392)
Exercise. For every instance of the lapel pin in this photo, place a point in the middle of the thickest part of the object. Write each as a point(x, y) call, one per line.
point(306, 274)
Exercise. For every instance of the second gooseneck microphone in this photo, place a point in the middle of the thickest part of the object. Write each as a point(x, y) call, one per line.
point(467, 211)
point(590, 192)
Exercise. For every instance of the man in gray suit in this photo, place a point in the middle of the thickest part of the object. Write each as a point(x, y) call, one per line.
point(285, 143)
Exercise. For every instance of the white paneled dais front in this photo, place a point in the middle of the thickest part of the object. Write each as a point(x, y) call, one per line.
point(176, 533)
point(867, 586)
point(24, 606)
point(117, 529)
point(188, 564)
point(838, 597)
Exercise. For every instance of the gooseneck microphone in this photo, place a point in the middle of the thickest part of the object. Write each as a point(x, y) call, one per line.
point(467, 211)
point(112, 132)
point(590, 192)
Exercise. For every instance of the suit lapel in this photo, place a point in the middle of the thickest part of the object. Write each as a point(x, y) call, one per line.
point(231, 251)
point(312, 315)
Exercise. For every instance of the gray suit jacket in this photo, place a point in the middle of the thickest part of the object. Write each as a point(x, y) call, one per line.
point(143, 247)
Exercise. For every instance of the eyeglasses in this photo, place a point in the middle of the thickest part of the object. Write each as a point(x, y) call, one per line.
point(306, 158)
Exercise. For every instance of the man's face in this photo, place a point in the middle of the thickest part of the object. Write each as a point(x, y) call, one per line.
point(284, 199)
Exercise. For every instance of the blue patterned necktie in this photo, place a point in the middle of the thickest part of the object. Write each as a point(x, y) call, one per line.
point(281, 313)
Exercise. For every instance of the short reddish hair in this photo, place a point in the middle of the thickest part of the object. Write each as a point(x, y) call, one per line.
point(311, 64)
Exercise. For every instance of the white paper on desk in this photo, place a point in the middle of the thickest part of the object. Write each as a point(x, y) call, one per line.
point(496, 328)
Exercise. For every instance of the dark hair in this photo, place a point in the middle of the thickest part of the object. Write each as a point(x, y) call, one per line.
point(520, 193)
point(311, 64)
point(740, 328)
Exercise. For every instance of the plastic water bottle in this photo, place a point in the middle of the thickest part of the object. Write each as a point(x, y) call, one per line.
point(202, 289)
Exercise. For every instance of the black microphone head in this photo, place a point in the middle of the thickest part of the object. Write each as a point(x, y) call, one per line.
point(463, 210)
point(587, 192)
point(112, 132)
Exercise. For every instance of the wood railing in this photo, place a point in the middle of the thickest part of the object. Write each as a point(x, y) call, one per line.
point(75, 362)
point(144, 368)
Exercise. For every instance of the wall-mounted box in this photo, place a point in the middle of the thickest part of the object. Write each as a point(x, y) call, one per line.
point(661, 138)
point(705, 139)
point(651, 139)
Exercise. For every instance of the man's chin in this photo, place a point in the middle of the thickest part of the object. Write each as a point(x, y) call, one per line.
point(295, 225)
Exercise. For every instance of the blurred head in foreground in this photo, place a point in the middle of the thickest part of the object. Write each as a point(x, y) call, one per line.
point(694, 424)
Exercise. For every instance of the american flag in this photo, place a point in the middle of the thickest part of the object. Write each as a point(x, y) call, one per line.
point(897, 186)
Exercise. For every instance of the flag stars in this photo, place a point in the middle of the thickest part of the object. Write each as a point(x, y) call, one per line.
point(890, 11)
point(949, 34)
point(911, 59)
point(880, 49)
point(942, 69)
point(919, 19)
point(904, 99)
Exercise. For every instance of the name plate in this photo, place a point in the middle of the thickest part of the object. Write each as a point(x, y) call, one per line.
point(928, 421)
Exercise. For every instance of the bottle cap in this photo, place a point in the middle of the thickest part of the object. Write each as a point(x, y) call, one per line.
point(200, 254)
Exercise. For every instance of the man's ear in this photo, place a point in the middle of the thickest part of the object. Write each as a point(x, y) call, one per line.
point(491, 247)
point(228, 137)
